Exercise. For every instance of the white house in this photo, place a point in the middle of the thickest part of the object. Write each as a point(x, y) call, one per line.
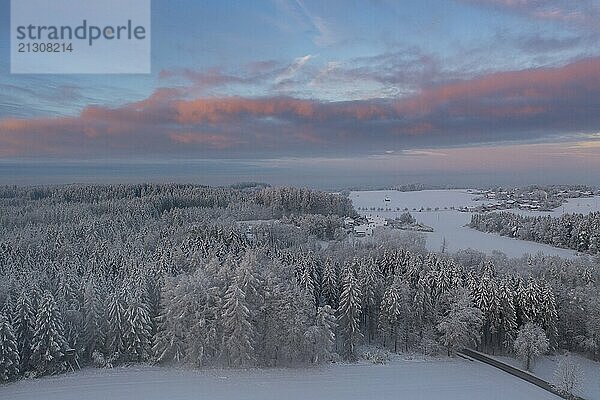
point(363, 230)
point(368, 228)
point(377, 220)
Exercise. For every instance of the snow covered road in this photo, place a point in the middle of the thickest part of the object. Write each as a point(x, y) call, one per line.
point(425, 380)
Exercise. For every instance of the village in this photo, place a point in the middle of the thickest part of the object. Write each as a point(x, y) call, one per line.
point(389, 212)
point(529, 199)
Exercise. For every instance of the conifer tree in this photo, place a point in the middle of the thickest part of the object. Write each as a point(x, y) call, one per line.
point(330, 284)
point(117, 327)
point(138, 333)
point(94, 322)
point(24, 328)
point(239, 333)
point(349, 314)
point(549, 314)
point(67, 299)
point(8, 306)
point(9, 353)
point(306, 278)
point(295, 312)
point(49, 343)
point(389, 317)
point(508, 318)
point(369, 281)
point(170, 338)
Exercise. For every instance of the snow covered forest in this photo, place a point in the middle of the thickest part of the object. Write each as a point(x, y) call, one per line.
point(256, 276)
point(573, 231)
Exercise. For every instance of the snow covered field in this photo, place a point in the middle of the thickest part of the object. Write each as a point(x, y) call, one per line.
point(450, 224)
point(546, 365)
point(441, 379)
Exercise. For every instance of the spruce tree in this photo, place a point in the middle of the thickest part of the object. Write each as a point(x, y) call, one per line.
point(549, 315)
point(273, 323)
point(116, 321)
point(369, 281)
point(138, 333)
point(170, 337)
point(508, 318)
point(295, 313)
point(49, 343)
point(9, 305)
point(24, 327)
point(239, 333)
point(389, 316)
point(349, 314)
point(9, 353)
point(68, 302)
point(330, 284)
point(94, 326)
point(306, 278)
point(486, 297)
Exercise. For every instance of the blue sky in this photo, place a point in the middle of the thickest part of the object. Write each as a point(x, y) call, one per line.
point(461, 37)
point(340, 80)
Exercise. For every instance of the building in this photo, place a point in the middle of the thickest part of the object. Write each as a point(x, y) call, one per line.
point(373, 222)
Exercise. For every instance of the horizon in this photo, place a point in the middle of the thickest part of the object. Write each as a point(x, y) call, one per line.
point(230, 172)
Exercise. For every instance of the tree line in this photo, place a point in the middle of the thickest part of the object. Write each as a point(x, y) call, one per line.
point(573, 231)
point(105, 281)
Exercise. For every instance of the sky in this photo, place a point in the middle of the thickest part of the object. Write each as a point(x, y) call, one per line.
point(338, 93)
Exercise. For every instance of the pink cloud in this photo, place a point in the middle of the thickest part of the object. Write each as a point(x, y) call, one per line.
point(514, 104)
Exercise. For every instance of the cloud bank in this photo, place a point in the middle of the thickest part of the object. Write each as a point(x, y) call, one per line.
point(521, 105)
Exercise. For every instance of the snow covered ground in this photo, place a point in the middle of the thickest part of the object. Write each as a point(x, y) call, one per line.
point(580, 205)
point(450, 224)
point(424, 380)
point(546, 365)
